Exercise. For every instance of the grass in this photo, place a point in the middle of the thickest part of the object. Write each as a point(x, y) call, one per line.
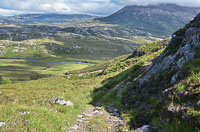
point(98, 124)
point(22, 70)
point(31, 96)
point(124, 67)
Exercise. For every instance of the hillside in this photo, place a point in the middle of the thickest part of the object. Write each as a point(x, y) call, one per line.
point(161, 20)
point(167, 95)
point(160, 94)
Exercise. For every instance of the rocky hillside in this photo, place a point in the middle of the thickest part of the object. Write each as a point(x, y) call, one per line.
point(166, 97)
point(86, 40)
point(162, 19)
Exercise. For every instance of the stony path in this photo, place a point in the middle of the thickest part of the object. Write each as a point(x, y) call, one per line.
point(110, 115)
point(112, 120)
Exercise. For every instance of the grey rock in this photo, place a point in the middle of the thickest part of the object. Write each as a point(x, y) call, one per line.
point(75, 127)
point(145, 128)
point(174, 78)
point(80, 116)
point(24, 113)
point(52, 100)
point(26, 122)
point(2, 124)
point(80, 120)
point(176, 61)
point(63, 102)
point(89, 115)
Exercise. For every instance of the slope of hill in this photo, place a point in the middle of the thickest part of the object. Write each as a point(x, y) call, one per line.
point(162, 19)
point(161, 93)
point(167, 95)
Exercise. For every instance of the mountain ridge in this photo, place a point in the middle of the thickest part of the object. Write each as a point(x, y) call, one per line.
point(155, 19)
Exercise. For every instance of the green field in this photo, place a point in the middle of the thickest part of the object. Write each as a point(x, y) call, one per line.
point(13, 70)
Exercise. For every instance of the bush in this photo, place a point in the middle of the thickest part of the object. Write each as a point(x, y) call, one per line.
point(1, 79)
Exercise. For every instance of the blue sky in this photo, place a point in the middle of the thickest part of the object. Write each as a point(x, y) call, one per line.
point(97, 7)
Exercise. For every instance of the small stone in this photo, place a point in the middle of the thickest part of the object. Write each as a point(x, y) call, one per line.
point(86, 121)
point(115, 114)
point(115, 110)
point(89, 115)
point(80, 120)
point(2, 124)
point(95, 112)
point(24, 113)
point(53, 110)
point(63, 102)
point(145, 128)
point(80, 116)
point(182, 93)
point(26, 122)
point(97, 108)
point(75, 127)
point(52, 100)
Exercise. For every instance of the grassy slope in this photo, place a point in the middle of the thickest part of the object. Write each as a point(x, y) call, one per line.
point(31, 96)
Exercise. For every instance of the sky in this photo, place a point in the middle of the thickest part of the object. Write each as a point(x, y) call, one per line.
point(96, 7)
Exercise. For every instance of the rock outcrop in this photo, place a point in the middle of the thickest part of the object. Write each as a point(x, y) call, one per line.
point(158, 97)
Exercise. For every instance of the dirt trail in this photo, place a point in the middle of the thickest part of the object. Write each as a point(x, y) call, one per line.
point(86, 122)
point(110, 116)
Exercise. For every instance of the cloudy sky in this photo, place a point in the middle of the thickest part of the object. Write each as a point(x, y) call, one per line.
point(97, 7)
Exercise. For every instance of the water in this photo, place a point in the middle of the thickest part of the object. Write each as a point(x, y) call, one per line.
point(43, 61)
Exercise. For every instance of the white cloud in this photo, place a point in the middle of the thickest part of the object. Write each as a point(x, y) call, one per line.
point(102, 7)
point(5, 12)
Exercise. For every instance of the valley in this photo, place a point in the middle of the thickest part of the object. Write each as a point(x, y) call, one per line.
point(102, 43)
point(137, 70)
point(17, 70)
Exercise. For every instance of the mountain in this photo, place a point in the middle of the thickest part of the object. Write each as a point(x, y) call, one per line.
point(44, 18)
point(162, 19)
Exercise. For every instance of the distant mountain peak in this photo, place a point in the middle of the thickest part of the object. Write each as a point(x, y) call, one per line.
point(160, 19)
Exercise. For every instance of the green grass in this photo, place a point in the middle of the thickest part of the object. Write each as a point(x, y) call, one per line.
point(31, 96)
point(98, 124)
point(22, 70)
